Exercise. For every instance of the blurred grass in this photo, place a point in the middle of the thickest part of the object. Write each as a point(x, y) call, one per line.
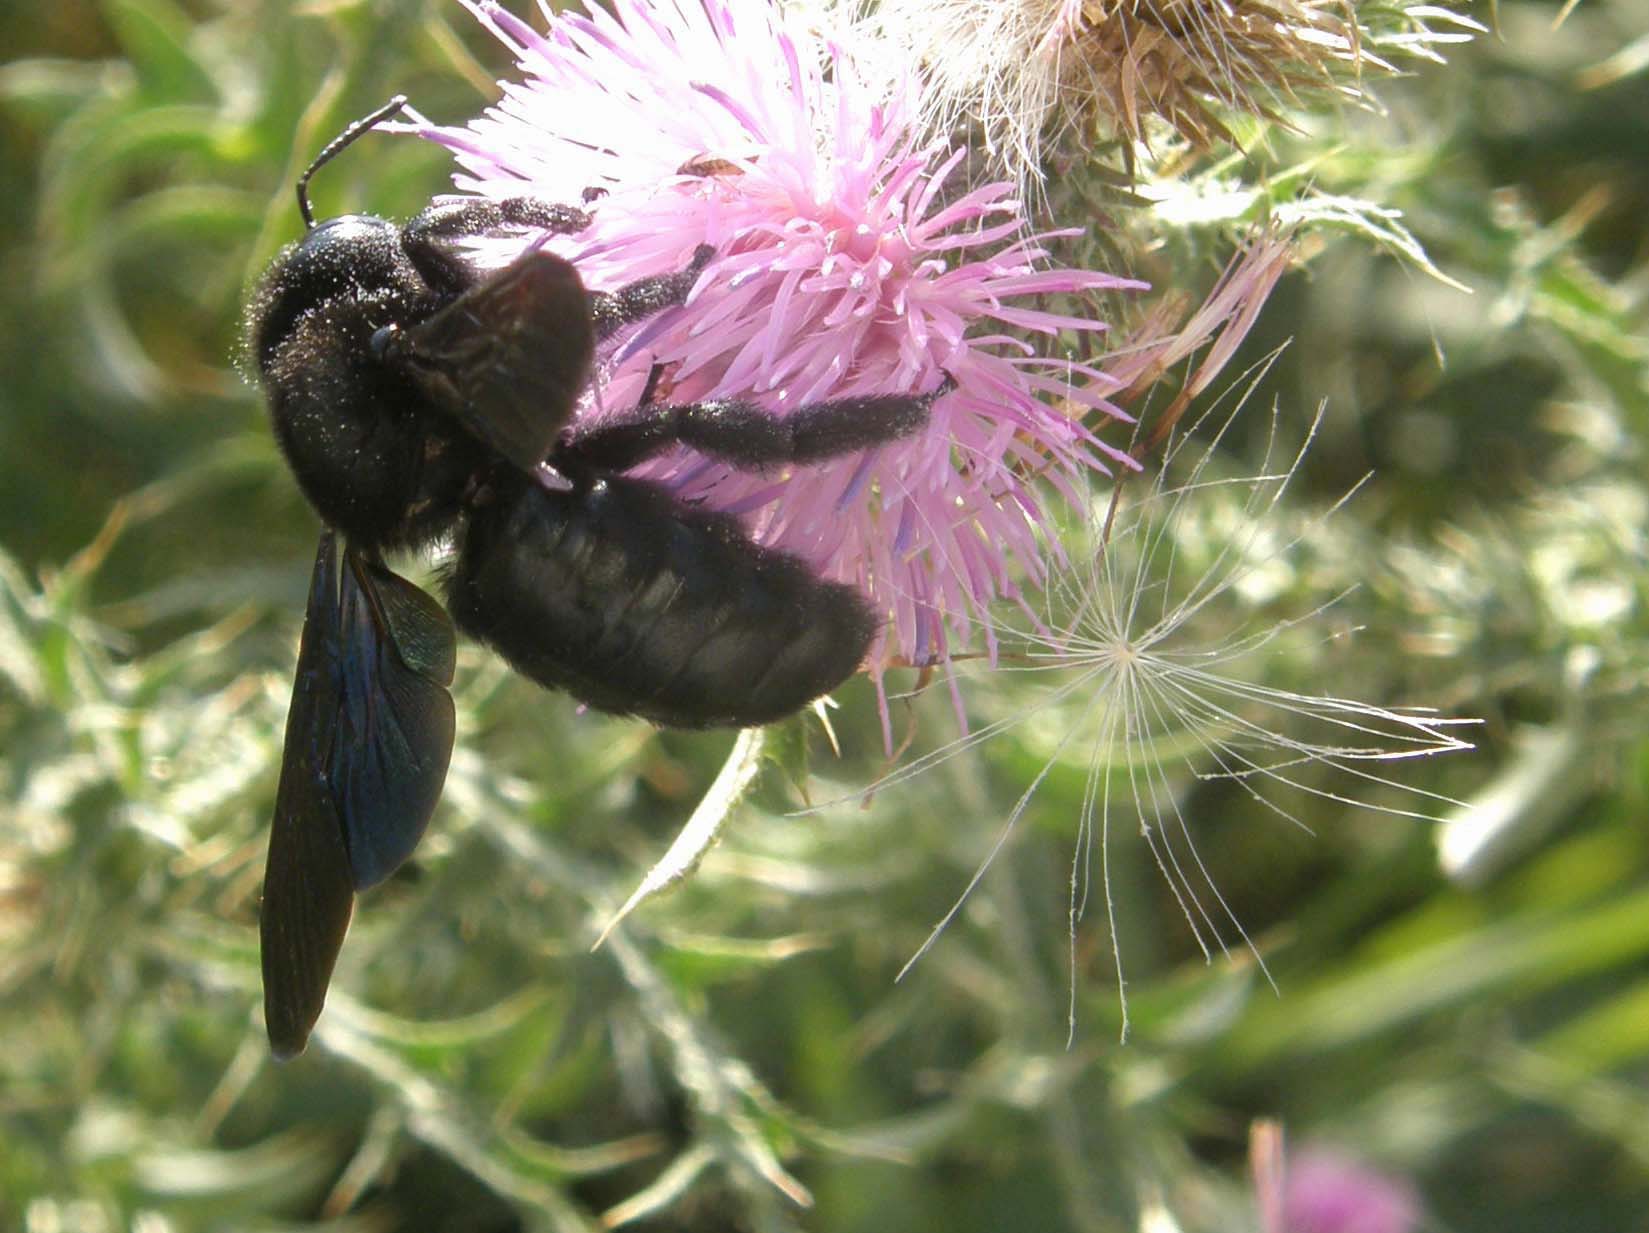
point(477, 1069)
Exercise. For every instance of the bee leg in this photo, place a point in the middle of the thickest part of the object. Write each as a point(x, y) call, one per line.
point(430, 239)
point(472, 216)
point(612, 310)
point(746, 434)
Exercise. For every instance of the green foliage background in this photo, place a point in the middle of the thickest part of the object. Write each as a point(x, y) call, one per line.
point(479, 1069)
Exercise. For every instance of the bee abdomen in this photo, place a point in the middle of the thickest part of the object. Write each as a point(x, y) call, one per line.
point(637, 604)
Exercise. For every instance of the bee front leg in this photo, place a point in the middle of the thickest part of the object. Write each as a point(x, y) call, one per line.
point(431, 239)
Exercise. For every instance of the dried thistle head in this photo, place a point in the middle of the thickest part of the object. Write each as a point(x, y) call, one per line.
point(1037, 74)
point(1190, 62)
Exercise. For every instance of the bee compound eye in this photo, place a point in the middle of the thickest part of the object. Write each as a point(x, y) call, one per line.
point(384, 341)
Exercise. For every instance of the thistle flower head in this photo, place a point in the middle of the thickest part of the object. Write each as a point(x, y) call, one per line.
point(847, 261)
point(1326, 1191)
point(1021, 69)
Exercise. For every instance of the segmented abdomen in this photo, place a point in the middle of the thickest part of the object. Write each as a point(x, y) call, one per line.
point(635, 603)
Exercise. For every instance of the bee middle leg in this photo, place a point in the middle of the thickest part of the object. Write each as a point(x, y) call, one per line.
point(612, 310)
point(746, 434)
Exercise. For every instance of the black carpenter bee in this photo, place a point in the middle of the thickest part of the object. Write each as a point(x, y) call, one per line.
point(416, 398)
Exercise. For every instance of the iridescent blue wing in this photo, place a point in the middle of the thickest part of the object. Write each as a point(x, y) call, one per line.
point(390, 753)
point(368, 738)
point(307, 887)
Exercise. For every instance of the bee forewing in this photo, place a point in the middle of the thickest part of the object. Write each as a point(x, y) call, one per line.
point(509, 356)
point(368, 738)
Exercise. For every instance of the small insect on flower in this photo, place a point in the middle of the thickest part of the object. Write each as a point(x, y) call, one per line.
point(419, 397)
point(850, 261)
point(1149, 672)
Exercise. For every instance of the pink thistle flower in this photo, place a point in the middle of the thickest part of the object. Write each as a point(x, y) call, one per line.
point(1326, 1192)
point(1323, 1190)
point(848, 261)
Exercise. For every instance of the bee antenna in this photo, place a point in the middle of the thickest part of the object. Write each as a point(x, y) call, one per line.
point(337, 145)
